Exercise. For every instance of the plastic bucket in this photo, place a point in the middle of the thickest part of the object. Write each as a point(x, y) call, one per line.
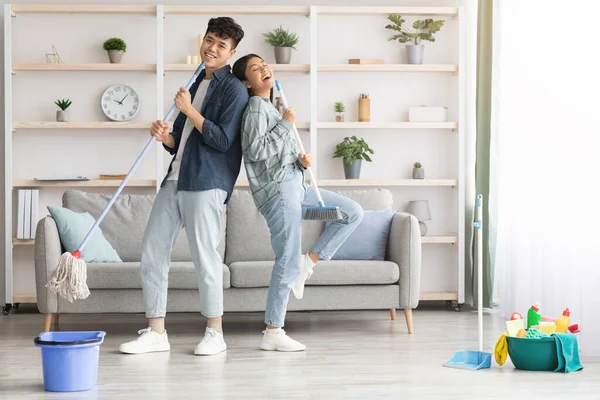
point(533, 354)
point(70, 359)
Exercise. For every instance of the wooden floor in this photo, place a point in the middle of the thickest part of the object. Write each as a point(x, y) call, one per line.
point(360, 355)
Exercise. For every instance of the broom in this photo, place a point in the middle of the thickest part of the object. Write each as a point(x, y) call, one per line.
point(320, 212)
point(69, 279)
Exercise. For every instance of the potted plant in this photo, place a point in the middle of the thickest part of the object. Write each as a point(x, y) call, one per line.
point(418, 171)
point(116, 48)
point(353, 151)
point(283, 42)
point(62, 115)
point(421, 30)
point(339, 111)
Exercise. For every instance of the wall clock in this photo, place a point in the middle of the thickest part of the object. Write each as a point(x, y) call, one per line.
point(120, 102)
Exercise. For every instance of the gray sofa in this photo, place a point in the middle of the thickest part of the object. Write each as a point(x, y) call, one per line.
point(248, 258)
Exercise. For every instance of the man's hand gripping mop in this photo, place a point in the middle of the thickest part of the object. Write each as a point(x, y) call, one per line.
point(320, 212)
point(69, 280)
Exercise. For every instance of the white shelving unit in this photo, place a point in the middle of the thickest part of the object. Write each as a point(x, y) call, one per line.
point(313, 68)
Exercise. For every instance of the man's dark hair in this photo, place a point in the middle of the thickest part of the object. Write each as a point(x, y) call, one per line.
point(226, 28)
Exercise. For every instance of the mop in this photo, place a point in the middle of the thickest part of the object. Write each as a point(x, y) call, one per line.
point(320, 212)
point(470, 359)
point(69, 279)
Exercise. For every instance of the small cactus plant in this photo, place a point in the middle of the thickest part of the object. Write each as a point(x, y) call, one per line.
point(418, 171)
point(339, 111)
point(63, 104)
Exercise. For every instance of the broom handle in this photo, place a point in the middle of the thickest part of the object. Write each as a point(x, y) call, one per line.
point(479, 227)
point(313, 181)
point(135, 165)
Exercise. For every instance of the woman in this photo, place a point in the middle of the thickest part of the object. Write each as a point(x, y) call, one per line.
point(275, 172)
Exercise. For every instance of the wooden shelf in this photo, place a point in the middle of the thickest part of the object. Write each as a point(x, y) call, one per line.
point(437, 296)
point(24, 298)
point(387, 125)
point(275, 67)
point(379, 10)
point(237, 10)
point(84, 67)
point(81, 9)
point(388, 182)
point(26, 183)
point(387, 68)
point(441, 239)
point(22, 242)
point(81, 125)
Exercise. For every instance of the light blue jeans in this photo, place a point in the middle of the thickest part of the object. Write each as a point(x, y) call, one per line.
point(284, 218)
point(199, 212)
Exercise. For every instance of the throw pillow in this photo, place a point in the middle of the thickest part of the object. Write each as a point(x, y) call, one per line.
point(72, 228)
point(369, 239)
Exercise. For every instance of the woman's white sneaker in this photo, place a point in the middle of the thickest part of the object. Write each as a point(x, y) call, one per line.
point(213, 343)
point(306, 271)
point(277, 340)
point(149, 341)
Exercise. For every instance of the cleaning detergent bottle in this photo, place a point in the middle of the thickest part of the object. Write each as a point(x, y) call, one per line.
point(563, 322)
point(533, 315)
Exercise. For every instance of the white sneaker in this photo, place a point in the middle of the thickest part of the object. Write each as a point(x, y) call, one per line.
point(306, 271)
point(277, 340)
point(149, 341)
point(213, 343)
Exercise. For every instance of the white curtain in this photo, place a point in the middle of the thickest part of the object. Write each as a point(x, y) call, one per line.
point(545, 161)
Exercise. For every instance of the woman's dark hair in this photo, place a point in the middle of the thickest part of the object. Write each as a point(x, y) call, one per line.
point(226, 28)
point(239, 70)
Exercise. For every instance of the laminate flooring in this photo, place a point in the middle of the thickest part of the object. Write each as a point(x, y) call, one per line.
point(350, 355)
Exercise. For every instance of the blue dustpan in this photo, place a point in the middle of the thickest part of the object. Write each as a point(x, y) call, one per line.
point(471, 359)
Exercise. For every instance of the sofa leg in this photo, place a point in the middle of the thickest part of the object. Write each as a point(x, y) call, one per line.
point(56, 327)
point(393, 314)
point(409, 321)
point(47, 321)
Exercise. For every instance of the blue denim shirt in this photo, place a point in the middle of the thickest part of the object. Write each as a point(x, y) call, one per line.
point(212, 159)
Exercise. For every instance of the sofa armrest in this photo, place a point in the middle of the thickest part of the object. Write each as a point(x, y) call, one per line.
point(404, 248)
point(47, 253)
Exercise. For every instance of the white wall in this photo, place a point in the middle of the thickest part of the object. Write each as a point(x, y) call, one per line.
point(49, 152)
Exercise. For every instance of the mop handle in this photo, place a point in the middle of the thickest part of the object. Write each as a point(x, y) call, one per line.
point(313, 181)
point(479, 226)
point(137, 162)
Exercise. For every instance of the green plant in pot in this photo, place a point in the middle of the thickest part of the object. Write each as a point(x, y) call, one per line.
point(353, 150)
point(283, 43)
point(62, 115)
point(418, 171)
point(340, 109)
point(116, 48)
point(421, 30)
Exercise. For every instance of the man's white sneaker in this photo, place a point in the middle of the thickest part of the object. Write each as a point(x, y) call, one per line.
point(213, 343)
point(306, 271)
point(277, 340)
point(149, 341)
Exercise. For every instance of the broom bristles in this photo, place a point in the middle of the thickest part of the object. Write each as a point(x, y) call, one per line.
point(330, 213)
point(69, 280)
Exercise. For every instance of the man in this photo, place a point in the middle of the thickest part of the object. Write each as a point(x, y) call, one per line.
point(206, 145)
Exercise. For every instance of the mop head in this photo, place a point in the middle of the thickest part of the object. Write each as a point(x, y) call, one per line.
point(329, 213)
point(69, 280)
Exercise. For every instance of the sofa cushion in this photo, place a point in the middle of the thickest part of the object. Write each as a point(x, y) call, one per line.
point(124, 224)
point(182, 275)
point(369, 239)
point(73, 228)
point(246, 274)
point(248, 237)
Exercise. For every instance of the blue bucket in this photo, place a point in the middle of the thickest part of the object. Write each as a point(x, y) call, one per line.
point(70, 359)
